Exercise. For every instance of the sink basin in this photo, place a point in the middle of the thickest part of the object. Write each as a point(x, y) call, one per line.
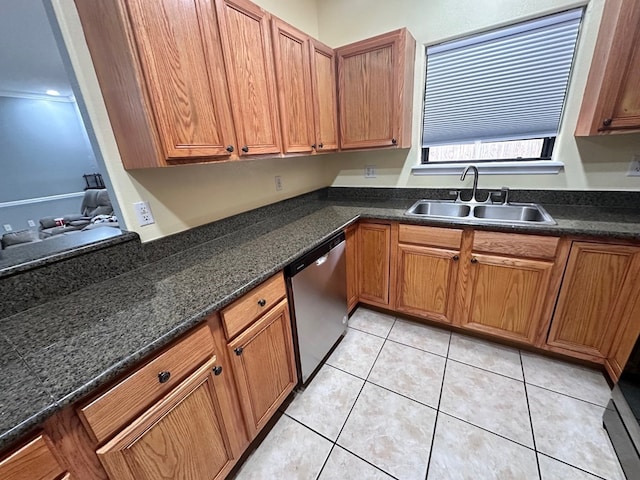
point(504, 214)
point(433, 208)
point(518, 213)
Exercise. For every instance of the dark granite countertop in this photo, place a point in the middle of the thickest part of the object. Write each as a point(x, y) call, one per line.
point(58, 352)
point(30, 255)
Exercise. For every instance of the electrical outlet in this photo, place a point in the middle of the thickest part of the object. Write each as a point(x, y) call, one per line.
point(31, 223)
point(370, 171)
point(7, 227)
point(278, 183)
point(634, 166)
point(143, 212)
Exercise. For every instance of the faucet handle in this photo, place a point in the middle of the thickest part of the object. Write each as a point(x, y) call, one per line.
point(499, 196)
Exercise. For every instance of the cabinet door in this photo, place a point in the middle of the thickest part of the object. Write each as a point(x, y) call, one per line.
point(593, 297)
point(426, 281)
point(375, 83)
point(351, 254)
point(248, 54)
point(264, 365)
point(374, 249)
point(612, 97)
point(184, 436)
point(34, 461)
point(293, 75)
point(325, 93)
point(505, 296)
point(179, 49)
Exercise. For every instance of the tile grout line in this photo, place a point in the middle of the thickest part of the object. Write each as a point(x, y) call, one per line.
point(572, 466)
point(435, 423)
point(566, 395)
point(486, 370)
point(335, 443)
point(526, 395)
point(416, 348)
point(487, 430)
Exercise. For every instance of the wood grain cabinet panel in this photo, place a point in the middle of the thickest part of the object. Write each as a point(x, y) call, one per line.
point(426, 281)
point(248, 54)
point(325, 96)
point(594, 295)
point(189, 100)
point(293, 73)
point(375, 88)
point(119, 405)
point(161, 72)
point(626, 337)
point(184, 436)
point(34, 461)
point(248, 308)
point(505, 296)
point(264, 366)
point(351, 254)
point(611, 101)
point(374, 251)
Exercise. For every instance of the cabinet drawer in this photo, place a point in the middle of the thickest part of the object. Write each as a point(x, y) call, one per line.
point(430, 236)
point(241, 313)
point(115, 408)
point(34, 461)
point(515, 244)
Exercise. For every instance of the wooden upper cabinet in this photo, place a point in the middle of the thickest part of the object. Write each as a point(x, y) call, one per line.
point(611, 101)
point(248, 54)
point(375, 91)
point(34, 461)
point(182, 436)
point(161, 72)
point(373, 251)
point(325, 96)
point(594, 296)
point(306, 80)
point(293, 75)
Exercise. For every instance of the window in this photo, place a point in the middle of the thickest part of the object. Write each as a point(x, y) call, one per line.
point(499, 95)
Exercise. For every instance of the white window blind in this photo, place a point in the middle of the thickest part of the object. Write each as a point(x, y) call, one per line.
point(508, 84)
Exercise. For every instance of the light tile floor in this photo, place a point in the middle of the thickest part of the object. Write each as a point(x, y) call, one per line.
point(402, 400)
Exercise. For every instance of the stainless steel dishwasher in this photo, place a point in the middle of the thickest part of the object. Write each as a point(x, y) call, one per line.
point(317, 284)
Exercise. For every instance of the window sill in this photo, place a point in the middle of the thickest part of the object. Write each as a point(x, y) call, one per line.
point(534, 167)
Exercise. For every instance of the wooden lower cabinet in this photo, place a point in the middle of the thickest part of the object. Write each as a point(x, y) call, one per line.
point(351, 254)
point(599, 285)
point(374, 259)
point(34, 461)
point(183, 436)
point(505, 296)
point(426, 282)
point(264, 366)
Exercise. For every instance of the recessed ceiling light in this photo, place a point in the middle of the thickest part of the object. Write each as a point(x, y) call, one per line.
point(54, 93)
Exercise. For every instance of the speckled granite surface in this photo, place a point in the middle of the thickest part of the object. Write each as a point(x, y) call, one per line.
point(36, 254)
point(71, 345)
point(24, 401)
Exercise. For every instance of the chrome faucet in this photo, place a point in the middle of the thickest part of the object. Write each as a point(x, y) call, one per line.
point(475, 181)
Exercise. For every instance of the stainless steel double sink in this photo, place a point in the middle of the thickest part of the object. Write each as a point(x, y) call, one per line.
point(498, 214)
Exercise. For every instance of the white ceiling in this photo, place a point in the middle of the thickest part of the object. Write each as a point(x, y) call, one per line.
point(30, 62)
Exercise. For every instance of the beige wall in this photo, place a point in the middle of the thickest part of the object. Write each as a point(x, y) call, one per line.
point(187, 196)
point(598, 163)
